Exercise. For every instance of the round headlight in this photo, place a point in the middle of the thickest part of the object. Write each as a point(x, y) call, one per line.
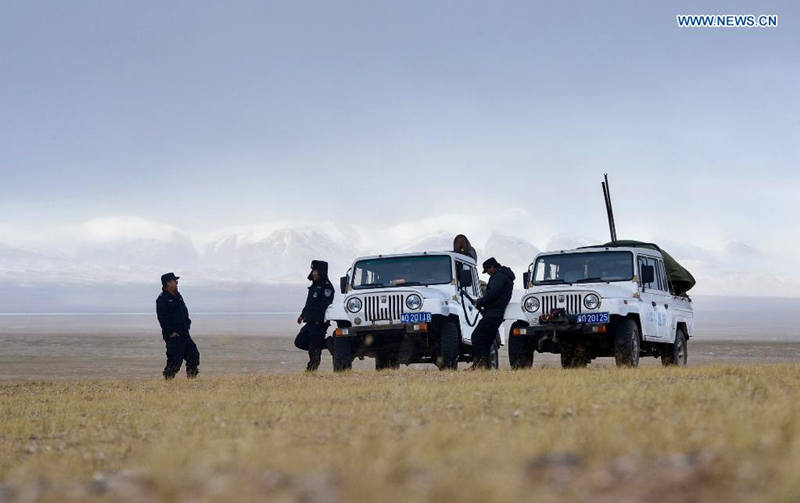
point(353, 304)
point(591, 301)
point(531, 304)
point(413, 301)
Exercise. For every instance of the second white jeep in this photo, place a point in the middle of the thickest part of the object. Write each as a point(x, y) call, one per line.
point(625, 299)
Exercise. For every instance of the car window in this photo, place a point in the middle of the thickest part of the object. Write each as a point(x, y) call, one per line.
point(461, 266)
point(659, 275)
point(665, 280)
point(643, 261)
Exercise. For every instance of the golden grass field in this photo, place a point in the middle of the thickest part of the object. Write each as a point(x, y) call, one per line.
point(708, 433)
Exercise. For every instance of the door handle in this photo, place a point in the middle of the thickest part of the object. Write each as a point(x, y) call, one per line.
point(654, 303)
point(666, 306)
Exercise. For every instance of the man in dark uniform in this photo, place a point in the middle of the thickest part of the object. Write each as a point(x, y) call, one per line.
point(173, 316)
point(493, 307)
point(320, 295)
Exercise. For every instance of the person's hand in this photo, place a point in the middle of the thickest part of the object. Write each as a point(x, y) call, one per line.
point(173, 335)
point(299, 319)
point(479, 303)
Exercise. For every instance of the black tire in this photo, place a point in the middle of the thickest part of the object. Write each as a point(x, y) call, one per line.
point(520, 352)
point(448, 359)
point(386, 362)
point(573, 356)
point(342, 354)
point(494, 354)
point(678, 352)
point(627, 345)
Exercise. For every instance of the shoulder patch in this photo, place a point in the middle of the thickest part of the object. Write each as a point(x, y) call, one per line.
point(328, 292)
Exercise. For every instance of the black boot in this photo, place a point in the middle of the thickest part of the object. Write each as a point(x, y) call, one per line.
point(480, 364)
point(191, 372)
point(314, 359)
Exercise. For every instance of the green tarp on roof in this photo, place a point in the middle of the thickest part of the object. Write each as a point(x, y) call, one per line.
point(680, 280)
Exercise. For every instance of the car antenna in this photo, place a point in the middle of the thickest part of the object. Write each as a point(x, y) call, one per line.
point(609, 210)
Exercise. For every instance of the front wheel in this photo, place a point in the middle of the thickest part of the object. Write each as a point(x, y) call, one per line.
point(520, 352)
point(450, 342)
point(677, 353)
point(342, 354)
point(627, 344)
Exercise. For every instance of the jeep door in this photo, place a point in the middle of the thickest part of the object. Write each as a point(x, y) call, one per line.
point(471, 316)
point(647, 314)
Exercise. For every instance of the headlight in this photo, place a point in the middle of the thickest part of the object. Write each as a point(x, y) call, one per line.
point(531, 304)
point(413, 301)
point(591, 301)
point(353, 304)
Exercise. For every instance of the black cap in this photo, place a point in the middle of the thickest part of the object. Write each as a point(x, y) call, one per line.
point(166, 278)
point(490, 262)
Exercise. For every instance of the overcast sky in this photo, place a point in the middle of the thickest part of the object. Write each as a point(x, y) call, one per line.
point(416, 117)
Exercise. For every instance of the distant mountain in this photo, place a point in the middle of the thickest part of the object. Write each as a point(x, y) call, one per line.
point(282, 256)
point(513, 252)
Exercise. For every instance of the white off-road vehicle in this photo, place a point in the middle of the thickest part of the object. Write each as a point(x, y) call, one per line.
point(625, 299)
point(408, 308)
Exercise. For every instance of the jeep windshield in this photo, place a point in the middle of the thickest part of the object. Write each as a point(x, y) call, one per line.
point(588, 267)
point(402, 271)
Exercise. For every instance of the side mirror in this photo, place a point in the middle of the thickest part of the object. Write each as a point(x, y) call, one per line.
point(648, 274)
point(526, 279)
point(465, 278)
point(343, 284)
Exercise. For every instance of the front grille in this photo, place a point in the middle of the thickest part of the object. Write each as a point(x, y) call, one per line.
point(383, 307)
point(572, 302)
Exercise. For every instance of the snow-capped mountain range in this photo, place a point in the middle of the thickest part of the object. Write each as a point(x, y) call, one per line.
point(135, 252)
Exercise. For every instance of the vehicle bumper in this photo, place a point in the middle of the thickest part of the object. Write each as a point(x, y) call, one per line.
point(409, 328)
point(560, 328)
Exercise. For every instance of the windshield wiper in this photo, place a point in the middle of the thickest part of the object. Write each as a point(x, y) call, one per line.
point(589, 280)
point(550, 281)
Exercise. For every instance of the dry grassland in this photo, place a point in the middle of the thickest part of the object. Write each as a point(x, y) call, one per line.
point(708, 433)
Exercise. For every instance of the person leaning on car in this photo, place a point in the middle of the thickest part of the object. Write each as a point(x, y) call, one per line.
point(173, 316)
point(493, 307)
point(311, 337)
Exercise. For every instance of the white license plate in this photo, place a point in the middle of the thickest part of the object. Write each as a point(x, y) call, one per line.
point(415, 317)
point(592, 318)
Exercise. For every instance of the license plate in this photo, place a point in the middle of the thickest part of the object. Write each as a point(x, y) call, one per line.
point(592, 318)
point(415, 317)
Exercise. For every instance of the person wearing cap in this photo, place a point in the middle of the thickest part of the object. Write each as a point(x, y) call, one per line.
point(173, 316)
point(311, 337)
point(493, 307)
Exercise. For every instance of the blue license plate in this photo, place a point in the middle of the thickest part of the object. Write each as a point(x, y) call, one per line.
point(415, 317)
point(592, 318)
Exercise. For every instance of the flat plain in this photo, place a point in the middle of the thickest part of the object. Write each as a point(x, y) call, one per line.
point(705, 433)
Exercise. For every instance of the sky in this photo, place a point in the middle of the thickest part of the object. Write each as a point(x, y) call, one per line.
point(380, 124)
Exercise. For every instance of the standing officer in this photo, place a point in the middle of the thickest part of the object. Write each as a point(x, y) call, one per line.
point(493, 305)
point(174, 320)
point(311, 337)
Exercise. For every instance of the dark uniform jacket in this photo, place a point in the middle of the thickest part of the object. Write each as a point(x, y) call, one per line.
point(172, 314)
point(498, 293)
point(320, 296)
